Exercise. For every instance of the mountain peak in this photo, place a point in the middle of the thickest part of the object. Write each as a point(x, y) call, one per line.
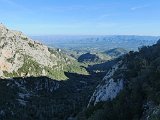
point(21, 56)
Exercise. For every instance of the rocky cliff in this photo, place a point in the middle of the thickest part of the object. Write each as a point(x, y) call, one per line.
point(21, 56)
point(109, 87)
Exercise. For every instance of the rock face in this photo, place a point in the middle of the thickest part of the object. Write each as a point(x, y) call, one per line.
point(108, 88)
point(17, 50)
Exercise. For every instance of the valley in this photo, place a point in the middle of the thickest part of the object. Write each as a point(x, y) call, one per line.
point(79, 60)
point(44, 82)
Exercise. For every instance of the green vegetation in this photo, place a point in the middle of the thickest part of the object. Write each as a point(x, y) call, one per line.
point(76, 68)
point(24, 38)
point(71, 97)
point(32, 68)
point(10, 60)
point(116, 52)
point(88, 57)
point(142, 81)
point(31, 44)
point(141, 86)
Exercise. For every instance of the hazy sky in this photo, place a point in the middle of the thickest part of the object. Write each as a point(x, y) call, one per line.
point(82, 17)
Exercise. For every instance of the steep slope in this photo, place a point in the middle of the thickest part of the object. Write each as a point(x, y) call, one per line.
point(21, 56)
point(108, 88)
point(130, 90)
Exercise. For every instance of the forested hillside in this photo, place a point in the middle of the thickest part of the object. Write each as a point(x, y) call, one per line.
point(140, 96)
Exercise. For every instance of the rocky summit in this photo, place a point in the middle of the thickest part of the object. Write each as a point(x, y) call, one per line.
point(21, 56)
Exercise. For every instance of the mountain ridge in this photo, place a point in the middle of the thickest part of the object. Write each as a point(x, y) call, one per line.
point(130, 90)
point(21, 56)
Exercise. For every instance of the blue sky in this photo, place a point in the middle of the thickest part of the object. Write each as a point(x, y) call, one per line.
point(82, 17)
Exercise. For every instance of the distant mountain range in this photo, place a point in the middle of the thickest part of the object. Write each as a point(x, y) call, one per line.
point(98, 43)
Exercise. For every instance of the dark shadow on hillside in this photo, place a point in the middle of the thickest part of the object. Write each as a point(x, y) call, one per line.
point(102, 67)
point(47, 97)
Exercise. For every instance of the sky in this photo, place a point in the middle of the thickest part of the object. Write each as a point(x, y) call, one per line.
point(82, 17)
